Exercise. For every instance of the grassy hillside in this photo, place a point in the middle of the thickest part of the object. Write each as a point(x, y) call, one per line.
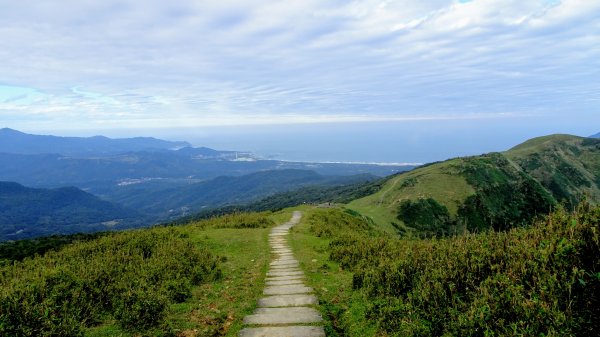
point(200, 279)
point(496, 190)
point(440, 181)
point(567, 166)
point(538, 280)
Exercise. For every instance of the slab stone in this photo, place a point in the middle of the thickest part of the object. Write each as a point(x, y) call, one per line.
point(284, 282)
point(287, 301)
point(285, 278)
point(284, 273)
point(287, 290)
point(284, 331)
point(284, 264)
point(290, 315)
point(284, 267)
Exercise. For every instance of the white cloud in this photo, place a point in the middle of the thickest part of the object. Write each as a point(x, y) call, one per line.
point(145, 62)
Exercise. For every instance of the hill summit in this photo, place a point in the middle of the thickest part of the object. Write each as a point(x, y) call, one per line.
point(495, 190)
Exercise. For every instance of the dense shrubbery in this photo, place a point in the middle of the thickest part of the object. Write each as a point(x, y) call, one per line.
point(18, 250)
point(237, 220)
point(427, 216)
point(332, 223)
point(131, 276)
point(505, 197)
point(541, 280)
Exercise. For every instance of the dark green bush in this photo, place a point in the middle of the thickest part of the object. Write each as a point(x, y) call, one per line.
point(427, 216)
point(541, 280)
point(332, 222)
point(140, 309)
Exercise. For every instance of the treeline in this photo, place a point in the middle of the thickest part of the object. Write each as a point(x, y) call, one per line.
point(539, 280)
point(304, 195)
point(130, 277)
point(18, 250)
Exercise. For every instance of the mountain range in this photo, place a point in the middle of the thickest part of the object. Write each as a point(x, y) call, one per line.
point(100, 164)
point(139, 181)
point(13, 141)
point(478, 193)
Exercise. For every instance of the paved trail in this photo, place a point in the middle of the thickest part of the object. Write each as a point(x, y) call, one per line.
point(287, 310)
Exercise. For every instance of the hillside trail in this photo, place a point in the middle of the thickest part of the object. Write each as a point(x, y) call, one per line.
point(288, 308)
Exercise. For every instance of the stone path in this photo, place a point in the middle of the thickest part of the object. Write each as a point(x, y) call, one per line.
point(287, 310)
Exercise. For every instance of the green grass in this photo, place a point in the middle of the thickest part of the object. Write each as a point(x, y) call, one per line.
point(439, 181)
point(218, 308)
point(538, 144)
point(343, 310)
point(234, 248)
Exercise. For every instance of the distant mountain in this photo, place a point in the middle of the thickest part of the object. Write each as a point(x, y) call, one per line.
point(13, 141)
point(496, 190)
point(95, 174)
point(164, 201)
point(595, 136)
point(98, 163)
point(29, 212)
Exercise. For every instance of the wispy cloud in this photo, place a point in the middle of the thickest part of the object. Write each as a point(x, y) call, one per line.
point(150, 63)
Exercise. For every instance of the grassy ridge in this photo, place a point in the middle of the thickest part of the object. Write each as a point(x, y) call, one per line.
point(567, 166)
point(539, 280)
point(492, 191)
point(440, 181)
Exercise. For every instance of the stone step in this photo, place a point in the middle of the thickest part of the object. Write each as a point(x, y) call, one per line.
point(284, 273)
point(285, 269)
point(287, 290)
point(284, 282)
point(287, 331)
point(285, 278)
point(287, 301)
point(290, 315)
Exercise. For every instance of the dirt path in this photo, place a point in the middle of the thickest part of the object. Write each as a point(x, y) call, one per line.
point(287, 310)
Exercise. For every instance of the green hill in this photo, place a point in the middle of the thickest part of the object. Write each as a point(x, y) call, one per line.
point(200, 279)
point(567, 166)
point(496, 190)
point(30, 212)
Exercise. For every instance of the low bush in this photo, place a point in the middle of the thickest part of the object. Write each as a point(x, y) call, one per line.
point(131, 276)
point(237, 220)
point(540, 280)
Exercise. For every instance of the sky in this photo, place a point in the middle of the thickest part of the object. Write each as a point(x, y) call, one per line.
point(485, 68)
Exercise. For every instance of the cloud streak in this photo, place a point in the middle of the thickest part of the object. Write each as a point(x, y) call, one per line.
point(233, 62)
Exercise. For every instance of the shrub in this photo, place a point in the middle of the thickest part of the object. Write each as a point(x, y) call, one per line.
point(63, 292)
point(537, 280)
point(427, 216)
point(140, 309)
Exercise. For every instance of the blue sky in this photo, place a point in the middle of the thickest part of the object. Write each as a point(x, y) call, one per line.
point(69, 66)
